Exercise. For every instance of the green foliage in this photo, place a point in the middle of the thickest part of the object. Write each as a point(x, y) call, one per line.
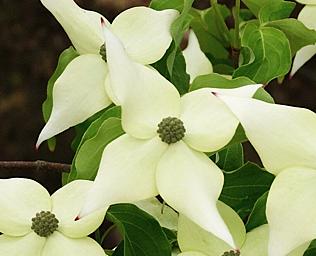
point(231, 158)
point(276, 11)
point(142, 234)
point(270, 54)
point(244, 186)
point(257, 216)
point(167, 4)
point(207, 29)
point(298, 35)
point(64, 59)
point(89, 152)
point(256, 5)
point(311, 251)
point(172, 65)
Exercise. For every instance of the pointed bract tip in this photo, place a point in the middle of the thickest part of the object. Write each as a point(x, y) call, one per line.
point(77, 218)
point(215, 94)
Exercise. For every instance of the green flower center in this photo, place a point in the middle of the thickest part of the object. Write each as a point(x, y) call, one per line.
point(44, 223)
point(171, 130)
point(102, 52)
point(232, 253)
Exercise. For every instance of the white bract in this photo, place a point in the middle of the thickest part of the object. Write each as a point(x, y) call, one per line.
point(22, 202)
point(285, 138)
point(194, 241)
point(197, 63)
point(80, 91)
point(150, 159)
point(308, 17)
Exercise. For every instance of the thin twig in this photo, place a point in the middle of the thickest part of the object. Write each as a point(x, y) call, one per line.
point(38, 165)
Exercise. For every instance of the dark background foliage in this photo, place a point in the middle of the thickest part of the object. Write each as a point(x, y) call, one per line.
point(30, 42)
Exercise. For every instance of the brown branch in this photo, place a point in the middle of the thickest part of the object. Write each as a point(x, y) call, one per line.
point(38, 165)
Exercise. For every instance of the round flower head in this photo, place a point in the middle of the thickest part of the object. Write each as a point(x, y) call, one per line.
point(34, 223)
point(163, 147)
point(80, 91)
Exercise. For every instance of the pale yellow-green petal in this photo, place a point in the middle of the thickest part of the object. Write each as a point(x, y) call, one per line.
point(192, 254)
point(126, 173)
point(302, 56)
point(145, 32)
point(256, 242)
point(193, 238)
point(209, 123)
point(146, 97)
point(283, 136)
point(58, 244)
point(291, 210)
point(197, 63)
point(311, 2)
point(165, 215)
point(191, 183)
point(308, 17)
point(28, 245)
point(78, 94)
point(66, 205)
point(83, 27)
point(20, 200)
point(246, 91)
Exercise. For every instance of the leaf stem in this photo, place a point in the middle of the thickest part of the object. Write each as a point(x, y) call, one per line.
point(236, 44)
point(221, 22)
point(236, 13)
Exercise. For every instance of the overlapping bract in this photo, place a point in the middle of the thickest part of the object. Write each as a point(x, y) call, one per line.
point(138, 165)
point(80, 91)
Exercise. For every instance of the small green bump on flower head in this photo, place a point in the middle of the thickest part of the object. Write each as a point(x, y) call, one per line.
point(232, 253)
point(44, 223)
point(171, 130)
point(102, 52)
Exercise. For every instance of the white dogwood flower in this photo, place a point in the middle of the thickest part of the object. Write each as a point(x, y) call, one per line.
point(80, 91)
point(194, 241)
point(33, 223)
point(308, 17)
point(197, 63)
point(285, 139)
point(162, 150)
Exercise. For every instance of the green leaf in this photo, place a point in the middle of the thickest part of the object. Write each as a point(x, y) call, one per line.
point(271, 54)
point(119, 251)
point(171, 235)
point(244, 186)
point(178, 76)
point(256, 5)
point(64, 59)
point(209, 39)
point(297, 33)
point(276, 11)
point(211, 21)
point(142, 234)
point(257, 216)
point(231, 158)
point(218, 81)
point(172, 66)
point(160, 5)
point(311, 251)
point(100, 130)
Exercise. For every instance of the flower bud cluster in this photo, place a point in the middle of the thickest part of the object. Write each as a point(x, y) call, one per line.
point(44, 223)
point(171, 130)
